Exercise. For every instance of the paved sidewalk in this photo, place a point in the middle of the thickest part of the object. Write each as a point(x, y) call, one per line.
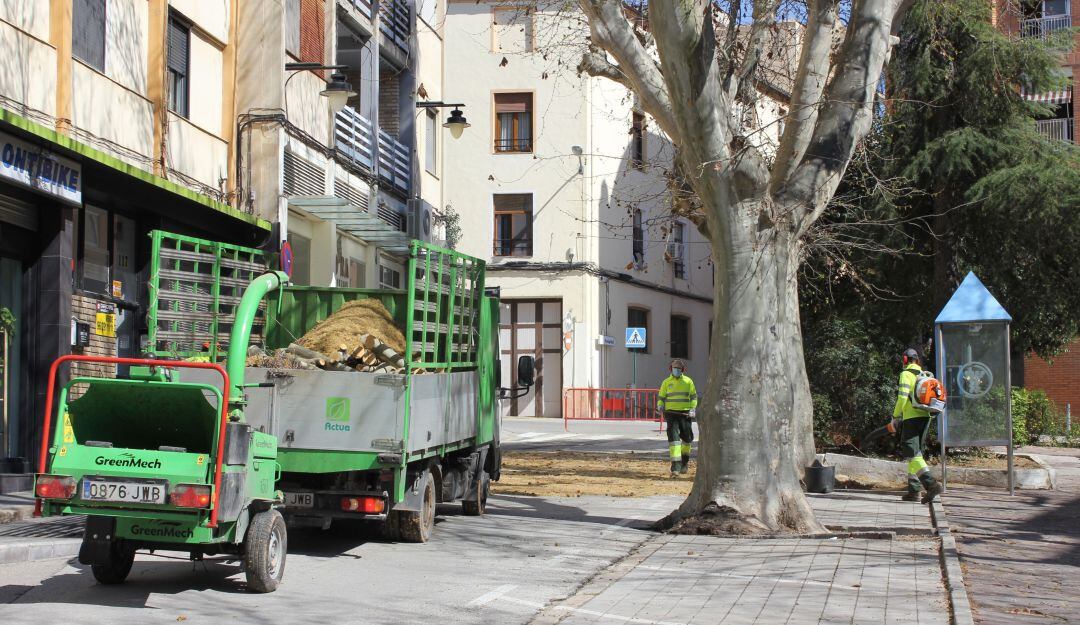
point(691, 580)
point(1021, 554)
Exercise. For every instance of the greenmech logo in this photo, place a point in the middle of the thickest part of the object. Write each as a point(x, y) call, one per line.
point(337, 414)
point(162, 532)
point(129, 461)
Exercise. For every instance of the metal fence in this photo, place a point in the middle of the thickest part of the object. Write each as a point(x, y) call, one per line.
point(355, 137)
point(1043, 27)
point(1060, 129)
point(610, 404)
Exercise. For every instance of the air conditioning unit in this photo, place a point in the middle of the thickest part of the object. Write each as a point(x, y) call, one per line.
point(421, 220)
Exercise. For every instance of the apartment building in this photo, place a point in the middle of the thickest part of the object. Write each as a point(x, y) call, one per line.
point(560, 185)
point(1042, 19)
point(212, 119)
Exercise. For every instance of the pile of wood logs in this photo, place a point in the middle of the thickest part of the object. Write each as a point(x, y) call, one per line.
point(370, 356)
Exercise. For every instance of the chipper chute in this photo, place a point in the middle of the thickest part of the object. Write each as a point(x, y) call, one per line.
point(157, 462)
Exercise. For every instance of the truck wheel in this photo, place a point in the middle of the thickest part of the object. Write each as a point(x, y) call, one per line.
point(264, 551)
point(115, 570)
point(478, 507)
point(416, 527)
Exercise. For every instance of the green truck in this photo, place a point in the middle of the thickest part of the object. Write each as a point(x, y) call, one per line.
point(207, 458)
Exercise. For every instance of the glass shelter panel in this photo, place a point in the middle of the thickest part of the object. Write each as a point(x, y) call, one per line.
point(976, 363)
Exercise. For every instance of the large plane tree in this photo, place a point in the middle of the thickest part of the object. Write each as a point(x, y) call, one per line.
point(695, 67)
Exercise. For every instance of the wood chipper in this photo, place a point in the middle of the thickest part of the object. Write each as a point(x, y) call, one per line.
point(158, 462)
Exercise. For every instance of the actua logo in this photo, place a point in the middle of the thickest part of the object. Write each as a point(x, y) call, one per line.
point(161, 532)
point(337, 414)
point(127, 461)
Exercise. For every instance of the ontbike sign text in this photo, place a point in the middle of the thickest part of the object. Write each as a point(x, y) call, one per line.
point(32, 166)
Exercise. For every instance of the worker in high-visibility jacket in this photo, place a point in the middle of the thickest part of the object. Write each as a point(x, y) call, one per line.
point(677, 401)
point(912, 423)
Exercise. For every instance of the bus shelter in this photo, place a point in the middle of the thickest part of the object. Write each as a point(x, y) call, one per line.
point(971, 340)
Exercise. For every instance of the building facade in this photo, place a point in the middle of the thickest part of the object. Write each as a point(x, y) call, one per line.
point(209, 119)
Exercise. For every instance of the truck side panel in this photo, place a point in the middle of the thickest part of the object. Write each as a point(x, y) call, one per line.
point(443, 409)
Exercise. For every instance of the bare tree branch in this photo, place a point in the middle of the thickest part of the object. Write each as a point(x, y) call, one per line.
point(810, 82)
point(847, 113)
point(612, 32)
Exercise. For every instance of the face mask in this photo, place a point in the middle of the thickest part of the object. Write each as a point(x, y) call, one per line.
point(676, 372)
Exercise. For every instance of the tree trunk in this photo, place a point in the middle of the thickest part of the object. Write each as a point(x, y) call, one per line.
point(755, 416)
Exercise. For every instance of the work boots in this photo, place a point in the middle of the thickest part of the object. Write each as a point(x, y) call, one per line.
point(933, 487)
point(911, 495)
point(685, 464)
point(675, 468)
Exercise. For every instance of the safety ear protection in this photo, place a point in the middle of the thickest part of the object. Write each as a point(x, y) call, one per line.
point(904, 359)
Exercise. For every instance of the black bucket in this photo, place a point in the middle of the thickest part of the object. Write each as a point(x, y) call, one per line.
point(819, 478)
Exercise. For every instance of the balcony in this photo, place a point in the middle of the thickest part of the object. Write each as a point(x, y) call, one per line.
point(1060, 129)
point(1043, 27)
point(394, 22)
point(355, 139)
point(363, 7)
point(394, 164)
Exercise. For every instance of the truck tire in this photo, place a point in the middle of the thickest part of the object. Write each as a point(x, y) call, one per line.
point(115, 570)
point(478, 507)
point(416, 527)
point(265, 547)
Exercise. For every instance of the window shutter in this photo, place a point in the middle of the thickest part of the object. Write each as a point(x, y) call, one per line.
point(513, 102)
point(88, 32)
point(178, 47)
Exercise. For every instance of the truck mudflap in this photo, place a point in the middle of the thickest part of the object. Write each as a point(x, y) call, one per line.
point(414, 493)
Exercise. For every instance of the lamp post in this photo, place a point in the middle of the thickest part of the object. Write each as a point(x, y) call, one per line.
point(338, 91)
point(456, 122)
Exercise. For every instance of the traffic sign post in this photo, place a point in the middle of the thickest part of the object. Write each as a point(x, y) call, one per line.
point(635, 340)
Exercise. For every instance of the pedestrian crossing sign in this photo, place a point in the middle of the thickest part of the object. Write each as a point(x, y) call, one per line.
point(635, 338)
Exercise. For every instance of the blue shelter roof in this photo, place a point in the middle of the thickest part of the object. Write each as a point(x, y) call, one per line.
point(972, 302)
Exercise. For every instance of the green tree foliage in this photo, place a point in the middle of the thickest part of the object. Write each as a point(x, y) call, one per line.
point(956, 178)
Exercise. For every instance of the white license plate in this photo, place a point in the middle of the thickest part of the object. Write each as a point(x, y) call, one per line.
point(300, 500)
point(123, 491)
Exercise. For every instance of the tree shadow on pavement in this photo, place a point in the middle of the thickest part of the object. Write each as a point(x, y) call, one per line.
point(543, 508)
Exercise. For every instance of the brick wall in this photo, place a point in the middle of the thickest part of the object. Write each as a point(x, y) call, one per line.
point(84, 309)
point(389, 104)
point(1060, 379)
point(312, 29)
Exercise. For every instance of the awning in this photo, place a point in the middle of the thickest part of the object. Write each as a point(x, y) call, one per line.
point(361, 224)
point(1063, 96)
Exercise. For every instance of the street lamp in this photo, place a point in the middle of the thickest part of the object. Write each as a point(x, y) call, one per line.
point(456, 123)
point(338, 91)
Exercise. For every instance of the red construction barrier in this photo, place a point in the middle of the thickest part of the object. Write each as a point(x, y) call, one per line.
point(610, 404)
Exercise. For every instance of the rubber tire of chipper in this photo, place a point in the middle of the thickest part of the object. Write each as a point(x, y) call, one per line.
point(117, 568)
point(478, 507)
point(415, 527)
point(265, 534)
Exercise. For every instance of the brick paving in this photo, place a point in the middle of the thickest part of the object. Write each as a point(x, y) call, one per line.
point(1021, 554)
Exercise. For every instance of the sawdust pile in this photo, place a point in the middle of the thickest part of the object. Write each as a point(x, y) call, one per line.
point(573, 474)
point(344, 327)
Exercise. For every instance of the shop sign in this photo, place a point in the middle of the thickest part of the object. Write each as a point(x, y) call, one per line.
point(105, 319)
point(33, 166)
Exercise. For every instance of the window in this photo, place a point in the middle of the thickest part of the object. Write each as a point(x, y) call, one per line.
point(680, 337)
point(513, 224)
point(351, 272)
point(106, 251)
point(301, 268)
point(94, 268)
point(431, 140)
point(638, 318)
point(637, 141)
point(389, 278)
point(639, 240)
point(513, 30)
point(292, 27)
point(513, 122)
point(677, 249)
point(88, 32)
point(179, 42)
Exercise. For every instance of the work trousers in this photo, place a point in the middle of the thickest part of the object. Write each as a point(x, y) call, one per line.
point(680, 433)
point(912, 440)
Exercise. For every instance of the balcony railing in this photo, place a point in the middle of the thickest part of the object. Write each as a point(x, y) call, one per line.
point(513, 145)
point(1060, 129)
point(394, 163)
point(355, 138)
point(394, 22)
point(1045, 26)
point(363, 7)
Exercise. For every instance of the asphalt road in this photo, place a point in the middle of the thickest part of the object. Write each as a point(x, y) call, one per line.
point(501, 568)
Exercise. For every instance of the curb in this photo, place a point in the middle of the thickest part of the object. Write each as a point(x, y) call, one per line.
point(12, 553)
point(959, 606)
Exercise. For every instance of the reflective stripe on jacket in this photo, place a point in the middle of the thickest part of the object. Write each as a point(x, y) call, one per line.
point(904, 407)
point(677, 393)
